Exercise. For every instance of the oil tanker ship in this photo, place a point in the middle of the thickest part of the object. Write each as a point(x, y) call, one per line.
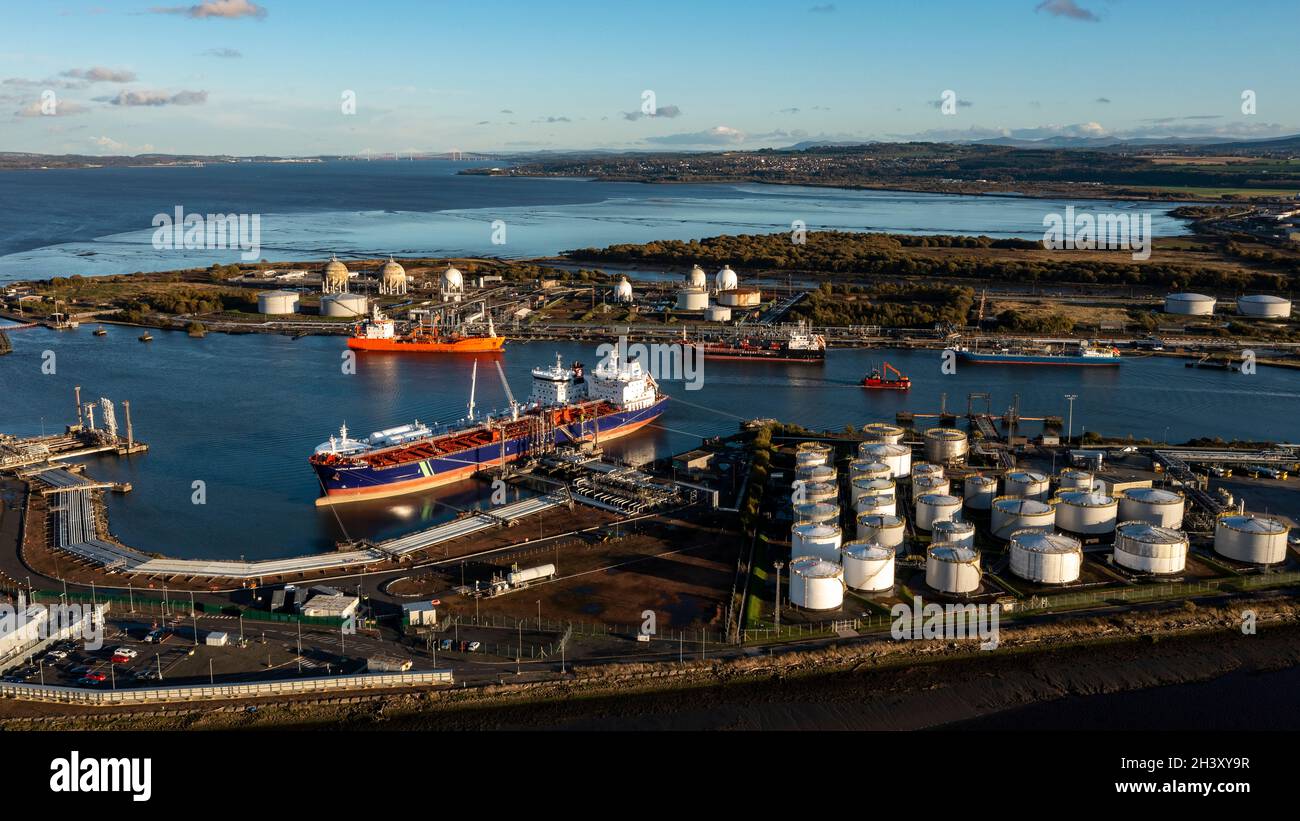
point(795, 344)
point(1085, 354)
point(379, 333)
point(566, 406)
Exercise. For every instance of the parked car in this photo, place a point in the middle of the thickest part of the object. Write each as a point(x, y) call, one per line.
point(96, 676)
point(475, 646)
point(57, 655)
point(126, 651)
point(445, 644)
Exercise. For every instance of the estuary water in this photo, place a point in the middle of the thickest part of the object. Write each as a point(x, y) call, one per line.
point(99, 221)
point(243, 413)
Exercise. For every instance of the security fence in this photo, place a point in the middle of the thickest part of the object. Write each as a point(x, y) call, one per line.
point(179, 608)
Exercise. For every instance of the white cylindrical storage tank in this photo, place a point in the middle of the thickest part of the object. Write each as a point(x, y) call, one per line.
point(741, 298)
point(816, 584)
point(869, 469)
point(1153, 505)
point(952, 569)
point(697, 278)
point(979, 491)
point(954, 531)
point(528, 574)
point(1263, 305)
point(692, 299)
point(1073, 479)
point(1147, 548)
point(351, 306)
point(824, 450)
point(887, 530)
point(1012, 513)
point(945, 446)
point(922, 485)
point(277, 302)
point(1046, 558)
point(718, 313)
point(898, 457)
point(817, 513)
point(1027, 484)
point(816, 473)
point(936, 507)
point(885, 505)
point(882, 433)
point(1249, 537)
point(927, 469)
point(1086, 512)
point(806, 459)
point(820, 540)
point(1190, 304)
point(868, 566)
point(871, 487)
point(816, 492)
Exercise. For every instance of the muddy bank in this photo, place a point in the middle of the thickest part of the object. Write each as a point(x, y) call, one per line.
point(861, 685)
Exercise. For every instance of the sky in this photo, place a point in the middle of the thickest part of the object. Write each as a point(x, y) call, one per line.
point(307, 77)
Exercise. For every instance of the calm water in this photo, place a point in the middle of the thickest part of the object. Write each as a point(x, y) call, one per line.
point(242, 413)
point(98, 221)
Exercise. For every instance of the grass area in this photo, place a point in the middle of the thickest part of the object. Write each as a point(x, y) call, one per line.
point(1229, 192)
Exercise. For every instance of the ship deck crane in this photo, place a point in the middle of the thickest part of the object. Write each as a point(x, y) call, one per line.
point(514, 406)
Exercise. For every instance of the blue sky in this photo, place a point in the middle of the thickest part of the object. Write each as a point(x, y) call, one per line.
point(234, 76)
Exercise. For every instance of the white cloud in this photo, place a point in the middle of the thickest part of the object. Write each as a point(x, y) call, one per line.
point(228, 9)
point(100, 74)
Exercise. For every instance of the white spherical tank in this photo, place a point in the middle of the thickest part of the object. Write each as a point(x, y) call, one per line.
point(871, 487)
point(882, 432)
point(936, 507)
point(697, 278)
point(334, 279)
point(815, 492)
point(1086, 512)
point(954, 531)
point(886, 504)
point(392, 278)
point(451, 285)
point(1147, 548)
point(885, 529)
point(817, 513)
point(898, 457)
point(1153, 505)
point(922, 485)
point(979, 491)
point(1027, 484)
point(692, 299)
point(816, 584)
point(726, 279)
point(1264, 305)
point(1012, 513)
point(277, 302)
point(352, 306)
point(718, 313)
point(946, 446)
point(952, 569)
point(868, 566)
point(1046, 558)
point(1072, 479)
point(1190, 304)
point(820, 540)
point(869, 469)
point(623, 291)
point(1248, 537)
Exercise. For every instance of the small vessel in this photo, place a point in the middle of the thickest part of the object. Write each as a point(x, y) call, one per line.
point(100, 331)
point(426, 334)
point(566, 406)
point(146, 337)
point(793, 343)
point(1083, 353)
point(879, 379)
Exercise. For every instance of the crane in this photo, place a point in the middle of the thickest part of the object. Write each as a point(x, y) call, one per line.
point(514, 406)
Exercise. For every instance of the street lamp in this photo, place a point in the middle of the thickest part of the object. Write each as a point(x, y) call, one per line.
point(778, 566)
point(1069, 434)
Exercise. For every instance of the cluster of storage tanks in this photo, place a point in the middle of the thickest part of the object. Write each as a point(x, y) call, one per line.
point(1265, 306)
point(694, 294)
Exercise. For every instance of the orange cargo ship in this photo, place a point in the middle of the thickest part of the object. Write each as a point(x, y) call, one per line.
point(379, 333)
